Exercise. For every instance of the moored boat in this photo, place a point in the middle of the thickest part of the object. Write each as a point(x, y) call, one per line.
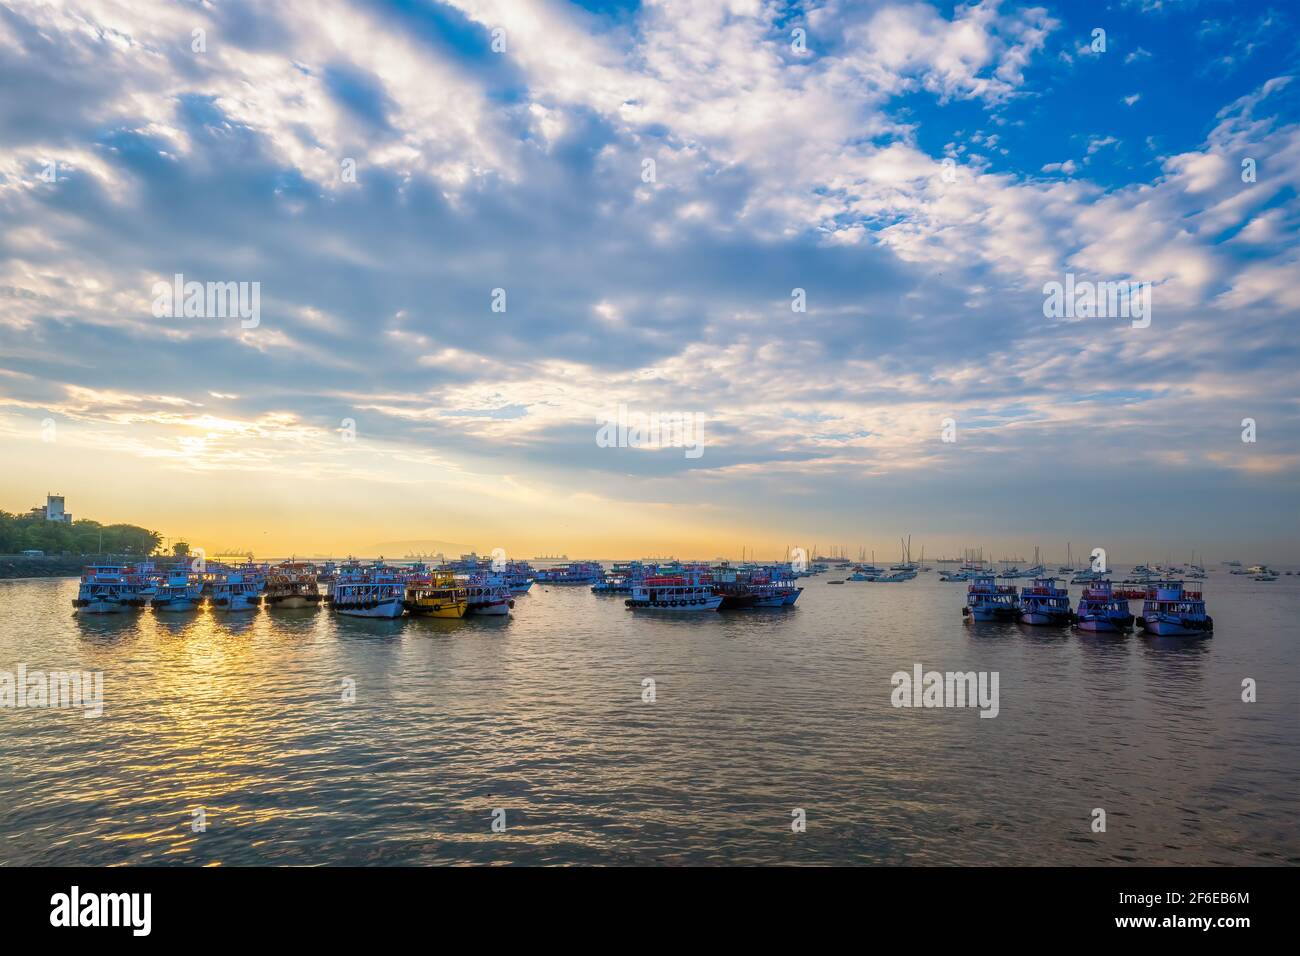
point(756, 587)
point(519, 576)
point(1103, 609)
point(233, 592)
point(579, 572)
point(1172, 610)
point(103, 590)
point(1043, 602)
point(986, 600)
point(292, 585)
point(687, 592)
point(487, 594)
point(439, 595)
point(180, 591)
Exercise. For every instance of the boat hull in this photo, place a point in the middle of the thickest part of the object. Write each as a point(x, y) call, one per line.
point(388, 608)
point(688, 606)
point(236, 603)
point(491, 609)
point(443, 611)
point(990, 614)
point(172, 605)
point(1100, 625)
point(1169, 627)
point(100, 607)
point(292, 602)
point(1044, 618)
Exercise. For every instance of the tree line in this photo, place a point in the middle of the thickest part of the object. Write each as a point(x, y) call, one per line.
point(34, 533)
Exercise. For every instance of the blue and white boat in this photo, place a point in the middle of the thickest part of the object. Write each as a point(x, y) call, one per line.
point(180, 591)
point(1043, 602)
point(986, 600)
point(1100, 609)
point(103, 590)
point(234, 592)
point(375, 592)
point(1171, 610)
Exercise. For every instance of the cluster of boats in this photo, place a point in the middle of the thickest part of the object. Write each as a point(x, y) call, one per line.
point(474, 585)
point(677, 587)
point(1258, 572)
point(1168, 609)
point(471, 585)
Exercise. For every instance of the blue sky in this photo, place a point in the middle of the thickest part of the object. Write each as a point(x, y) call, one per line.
point(776, 167)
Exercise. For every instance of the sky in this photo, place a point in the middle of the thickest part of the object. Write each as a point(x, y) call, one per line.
point(819, 234)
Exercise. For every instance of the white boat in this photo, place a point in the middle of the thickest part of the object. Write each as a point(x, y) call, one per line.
point(1088, 576)
point(894, 576)
point(677, 593)
point(488, 594)
point(1171, 610)
point(377, 593)
point(866, 572)
point(103, 590)
point(234, 592)
point(180, 591)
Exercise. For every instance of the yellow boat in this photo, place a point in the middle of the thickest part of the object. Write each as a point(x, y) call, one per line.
point(438, 597)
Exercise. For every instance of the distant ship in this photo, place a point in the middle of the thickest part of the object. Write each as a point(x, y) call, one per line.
point(551, 557)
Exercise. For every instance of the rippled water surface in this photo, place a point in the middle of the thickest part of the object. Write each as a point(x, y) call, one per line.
point(756, 714)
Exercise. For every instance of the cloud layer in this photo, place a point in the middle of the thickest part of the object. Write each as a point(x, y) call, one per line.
point(648, 187)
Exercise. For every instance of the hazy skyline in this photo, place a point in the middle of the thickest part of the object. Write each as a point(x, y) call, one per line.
point(654, 189)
